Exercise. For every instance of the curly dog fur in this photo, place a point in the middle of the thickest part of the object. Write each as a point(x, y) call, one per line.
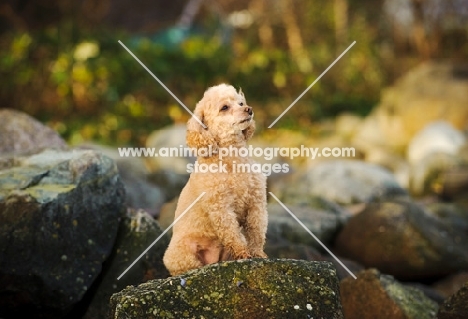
point(229, 222)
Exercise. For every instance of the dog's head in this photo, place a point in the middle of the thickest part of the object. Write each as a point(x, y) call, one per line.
point(226, 117)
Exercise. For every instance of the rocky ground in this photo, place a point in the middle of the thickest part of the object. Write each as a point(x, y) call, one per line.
point(73, 219)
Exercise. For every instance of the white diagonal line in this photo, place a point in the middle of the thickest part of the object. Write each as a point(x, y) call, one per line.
point(310, 86)
point(160, 236)
point(162, 84)
point(311, 234)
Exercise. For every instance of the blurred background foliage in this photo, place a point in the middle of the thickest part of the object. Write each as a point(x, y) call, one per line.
point(60, 61)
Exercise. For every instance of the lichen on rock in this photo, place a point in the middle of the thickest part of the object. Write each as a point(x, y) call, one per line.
point(254, 288)
point(59, 216)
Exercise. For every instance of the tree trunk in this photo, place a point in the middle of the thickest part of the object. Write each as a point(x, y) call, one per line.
point(419, 33)
point(265, 32)
point(340, 8)
point(294, 37)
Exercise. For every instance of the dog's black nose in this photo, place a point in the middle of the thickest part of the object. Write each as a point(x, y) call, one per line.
point(248, 109)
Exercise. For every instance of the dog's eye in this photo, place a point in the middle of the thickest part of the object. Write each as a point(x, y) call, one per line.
point(241, 104)
point(224, 108)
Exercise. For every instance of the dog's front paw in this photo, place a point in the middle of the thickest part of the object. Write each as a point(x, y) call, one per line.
point(259, 254)
point(242, 254)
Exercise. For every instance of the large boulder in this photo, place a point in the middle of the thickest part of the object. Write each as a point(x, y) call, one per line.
point(323, 218)
point(141, 192)
point(137, 231)
point(22, 134)
point(303, 252)
point(450, 284)
point(342, 181)
point(374, 295)
point(436, 137)
point(347, 124)
point(59, 215)
point(428, 175)
point(166, 138)
point(406, 240)
point(431, 91)
point(434, 157)
point(455, 307)
point(256, 288)
point(452, 183)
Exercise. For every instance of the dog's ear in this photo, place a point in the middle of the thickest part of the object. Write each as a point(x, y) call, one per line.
point(197, 135)
point(241, 93)
point(249, 131)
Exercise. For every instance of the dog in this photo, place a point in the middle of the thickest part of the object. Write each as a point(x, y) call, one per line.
point(229, 221)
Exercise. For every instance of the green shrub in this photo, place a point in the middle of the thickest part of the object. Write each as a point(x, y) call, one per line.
point(87, 86)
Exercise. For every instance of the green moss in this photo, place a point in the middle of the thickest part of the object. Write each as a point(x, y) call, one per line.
point(412, 301)
point(214, 292)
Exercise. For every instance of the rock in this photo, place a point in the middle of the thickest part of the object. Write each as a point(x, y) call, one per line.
point(402, 172)
point(255, 288)
point(374, 295)
point(355, 208)
point(344, 182)
point(455, 307)
point(170, 137)
point(463, 151)
point(452, 214)
point(347, 124)
point(268, 160)
point(286, 238)
point(292, 251)
point(22, 134)
point(436, 137)
point(137, 231)
point(392, 162)
point(453, 183)
point(429, 292)
point(431, 91)
point(425, 177)
point(343, 273)
point(59, 215)
point(370, 135)
point(445, 175)
point(141, 192)
point(171, 182)
point(324, 219)
point(405, 240)
point(451, 284)
point(303, 252)
point(432, 153)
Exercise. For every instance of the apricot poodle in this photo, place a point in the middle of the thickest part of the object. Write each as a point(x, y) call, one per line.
point(229, 222)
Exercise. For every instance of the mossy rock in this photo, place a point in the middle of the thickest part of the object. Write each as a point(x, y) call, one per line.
point(137, 231)
point(254, 288)
point(455, 307)
point(59, 218)
point(374, 295)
